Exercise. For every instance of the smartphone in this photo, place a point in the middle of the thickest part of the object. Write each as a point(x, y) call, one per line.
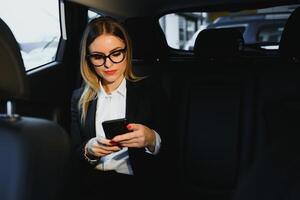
point(115, 127)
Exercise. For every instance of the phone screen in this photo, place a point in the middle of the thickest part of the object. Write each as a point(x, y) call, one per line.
point(115, 127)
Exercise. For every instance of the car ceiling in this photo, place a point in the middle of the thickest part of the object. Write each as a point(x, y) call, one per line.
point(135, 8)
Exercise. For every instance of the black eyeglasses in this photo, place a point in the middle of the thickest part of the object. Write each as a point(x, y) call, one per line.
point(99, 59)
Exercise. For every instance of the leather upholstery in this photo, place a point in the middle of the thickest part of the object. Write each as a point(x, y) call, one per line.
point(34, 152)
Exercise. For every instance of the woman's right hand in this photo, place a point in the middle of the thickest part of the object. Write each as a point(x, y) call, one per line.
point(100, 147)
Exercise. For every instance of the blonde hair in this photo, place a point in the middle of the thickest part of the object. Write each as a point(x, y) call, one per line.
point(95, 28)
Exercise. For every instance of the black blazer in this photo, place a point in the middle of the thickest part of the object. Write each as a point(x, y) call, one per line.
point(143, 105)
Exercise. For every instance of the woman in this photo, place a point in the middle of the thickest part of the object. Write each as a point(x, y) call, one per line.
point(110, 91)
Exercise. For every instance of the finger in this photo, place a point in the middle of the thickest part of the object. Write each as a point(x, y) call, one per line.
point(98, 152)
point(103, 141)
point(113, 148)
point(114, 143)
point(108, 144)
point(123, 137)
point(102, 152)
point(133, 126)
point(109, 148)
point(133, 140)
point(132, 144)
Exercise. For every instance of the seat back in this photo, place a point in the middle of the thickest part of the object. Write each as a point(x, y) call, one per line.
point(34, 152)
point(275, 173)
point(289, 46)
point(217, 105)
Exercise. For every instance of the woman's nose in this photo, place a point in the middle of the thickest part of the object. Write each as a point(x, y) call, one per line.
point(108, 63)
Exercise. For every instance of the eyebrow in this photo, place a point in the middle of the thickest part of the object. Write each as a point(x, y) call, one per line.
point(115, 49)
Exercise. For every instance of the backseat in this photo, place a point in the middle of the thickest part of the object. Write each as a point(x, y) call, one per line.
point(279, 82)
point(216, 102)
point(275, 174)
point(218, 116)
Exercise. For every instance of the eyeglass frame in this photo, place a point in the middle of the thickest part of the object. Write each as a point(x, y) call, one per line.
point(107, 56)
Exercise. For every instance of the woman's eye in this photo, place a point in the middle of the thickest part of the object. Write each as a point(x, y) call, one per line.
point(97, 57)
point(117, 53)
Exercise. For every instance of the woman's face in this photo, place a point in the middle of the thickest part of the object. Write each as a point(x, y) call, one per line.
point(113, 68)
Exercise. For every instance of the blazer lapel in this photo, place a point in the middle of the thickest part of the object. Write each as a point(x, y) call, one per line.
point(90, 119)
point(131, 101)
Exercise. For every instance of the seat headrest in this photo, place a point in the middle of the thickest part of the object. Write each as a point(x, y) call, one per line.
point(13, 80)
point(218, 43)
point(289, 46)
point(148, 40)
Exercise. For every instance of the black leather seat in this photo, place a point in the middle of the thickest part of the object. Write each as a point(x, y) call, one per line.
point(216, 103)
point(289, 46)
point(275, 174)
point(34, 152)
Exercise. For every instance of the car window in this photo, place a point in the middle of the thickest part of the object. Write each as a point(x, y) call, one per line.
point(35, 25)
point(270, 33)
point(92, 15)
point(262, 27)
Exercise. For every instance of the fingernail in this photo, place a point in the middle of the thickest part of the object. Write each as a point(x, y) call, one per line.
point(129, 126)
point(113, 143)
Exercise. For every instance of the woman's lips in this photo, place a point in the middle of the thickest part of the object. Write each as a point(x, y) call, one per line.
point(110, 72)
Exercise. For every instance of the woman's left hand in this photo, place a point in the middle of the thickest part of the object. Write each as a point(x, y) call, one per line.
point(139, 137)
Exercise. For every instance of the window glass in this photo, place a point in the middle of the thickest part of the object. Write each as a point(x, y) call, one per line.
point(261, 27)
point(190, 29)
point(270, 33)
point(92, 15)
point(35, 25)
